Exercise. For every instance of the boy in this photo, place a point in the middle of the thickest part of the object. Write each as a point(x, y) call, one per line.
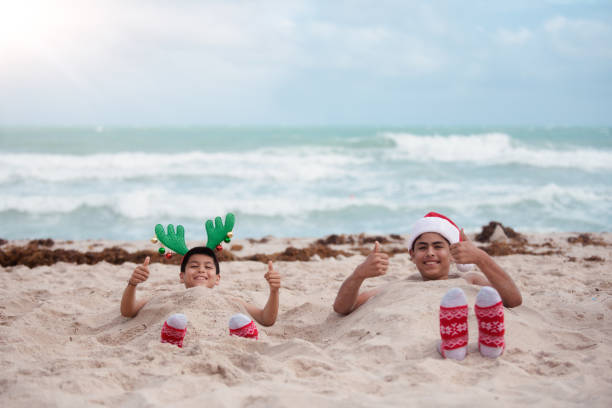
point(434, 241)
point(200, 267)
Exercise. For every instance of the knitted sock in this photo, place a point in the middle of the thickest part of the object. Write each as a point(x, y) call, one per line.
point(490, 314)
point(174, 329)
point(453, 325)
point(240, 325)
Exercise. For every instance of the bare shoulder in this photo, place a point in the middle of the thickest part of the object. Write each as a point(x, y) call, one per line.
point(476, 279)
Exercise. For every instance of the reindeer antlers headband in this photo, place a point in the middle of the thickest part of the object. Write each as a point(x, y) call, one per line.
point(175, 241)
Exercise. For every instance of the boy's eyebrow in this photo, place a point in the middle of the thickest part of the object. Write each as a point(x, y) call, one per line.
point(427, 243)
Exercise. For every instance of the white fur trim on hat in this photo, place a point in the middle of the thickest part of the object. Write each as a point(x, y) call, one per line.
point(434, 222)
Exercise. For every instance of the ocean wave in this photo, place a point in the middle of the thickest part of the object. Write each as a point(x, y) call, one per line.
point(493, 149)
point(157, 202)
point(160, 204)
point(303, 164)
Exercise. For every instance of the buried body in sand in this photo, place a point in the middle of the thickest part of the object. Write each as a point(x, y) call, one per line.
point(434, 240)
point(200, 268)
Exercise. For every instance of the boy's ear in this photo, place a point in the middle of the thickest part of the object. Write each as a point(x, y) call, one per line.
point(182, 277)
point(217, 279)
point(411, 252)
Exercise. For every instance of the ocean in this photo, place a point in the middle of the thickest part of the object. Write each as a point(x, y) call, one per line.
point(117, 183)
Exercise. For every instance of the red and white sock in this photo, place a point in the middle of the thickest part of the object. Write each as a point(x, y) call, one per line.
point(240, 325)
point(174, 329)
point(453, 325)
point(490, 314)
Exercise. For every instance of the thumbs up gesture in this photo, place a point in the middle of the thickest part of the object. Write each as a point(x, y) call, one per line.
point(141, 273)
point(273, 278)
point(464, 251)
point(376, 264)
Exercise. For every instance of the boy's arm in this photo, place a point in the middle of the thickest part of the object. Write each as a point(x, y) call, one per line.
point(267, 315)
point(129, 305)
point(466, 252)
point(348, 297)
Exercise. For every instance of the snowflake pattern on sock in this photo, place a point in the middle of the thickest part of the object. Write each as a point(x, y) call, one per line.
point(172, 335)
point(491, 327)
point(453, 327)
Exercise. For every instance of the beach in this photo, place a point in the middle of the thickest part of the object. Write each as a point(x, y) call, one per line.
point(303, 135)
point(64, 343)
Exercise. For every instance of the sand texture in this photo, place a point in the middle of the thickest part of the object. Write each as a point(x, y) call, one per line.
point(64, 343)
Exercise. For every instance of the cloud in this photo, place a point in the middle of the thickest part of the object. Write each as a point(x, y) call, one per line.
point(374, 49)
point(228, 41)
point(517, 37)
point(580, 37)
point(246, 61)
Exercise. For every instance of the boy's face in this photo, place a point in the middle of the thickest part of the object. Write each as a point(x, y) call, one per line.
point(431, 255)
point(200, 271)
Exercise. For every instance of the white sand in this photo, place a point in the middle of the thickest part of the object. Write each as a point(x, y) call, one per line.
point(64, 343)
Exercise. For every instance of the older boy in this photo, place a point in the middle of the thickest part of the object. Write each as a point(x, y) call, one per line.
point(434, 241)
point(200, 267)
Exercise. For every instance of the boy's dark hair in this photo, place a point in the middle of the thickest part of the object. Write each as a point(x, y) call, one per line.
point(200, 250)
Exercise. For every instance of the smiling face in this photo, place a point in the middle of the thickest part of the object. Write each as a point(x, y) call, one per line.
point(200, 271)
point(431, 255)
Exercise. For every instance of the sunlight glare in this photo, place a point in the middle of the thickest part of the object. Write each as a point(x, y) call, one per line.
point(26, 25)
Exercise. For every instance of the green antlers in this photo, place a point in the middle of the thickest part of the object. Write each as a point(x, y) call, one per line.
point(176, 240)
point(219, 232)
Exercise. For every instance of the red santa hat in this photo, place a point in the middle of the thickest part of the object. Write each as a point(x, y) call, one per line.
point(434, 222)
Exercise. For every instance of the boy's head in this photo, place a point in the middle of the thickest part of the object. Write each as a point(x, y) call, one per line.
point(200, 267)
point(430, 252)
point(429, 244)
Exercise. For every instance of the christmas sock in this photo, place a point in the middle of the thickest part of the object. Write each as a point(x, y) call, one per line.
point(174, 329)
point(240, 325)
point(453, 325)
point(490, 314)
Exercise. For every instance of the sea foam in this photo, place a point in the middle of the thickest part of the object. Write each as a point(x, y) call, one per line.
point(494, 149)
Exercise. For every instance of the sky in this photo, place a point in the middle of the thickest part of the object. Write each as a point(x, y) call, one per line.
point(281, 62)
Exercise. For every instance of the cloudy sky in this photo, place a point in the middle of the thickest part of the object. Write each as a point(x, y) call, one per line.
point(282, 62)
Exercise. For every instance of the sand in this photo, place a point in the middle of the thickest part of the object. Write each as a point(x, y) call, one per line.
point(64, 343)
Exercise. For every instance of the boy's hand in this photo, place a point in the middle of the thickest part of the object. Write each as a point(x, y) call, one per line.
point(465, 252)
point(273, 278)
point(376, 264)
point(141, 273)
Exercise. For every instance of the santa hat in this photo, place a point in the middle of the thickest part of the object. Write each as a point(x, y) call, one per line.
point(434, 222)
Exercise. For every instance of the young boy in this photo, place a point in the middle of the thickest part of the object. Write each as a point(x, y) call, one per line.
point(200, 267)
point(434, 241)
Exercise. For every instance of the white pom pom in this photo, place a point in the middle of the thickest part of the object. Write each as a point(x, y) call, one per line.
point(464, 267)
point(238, 320)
